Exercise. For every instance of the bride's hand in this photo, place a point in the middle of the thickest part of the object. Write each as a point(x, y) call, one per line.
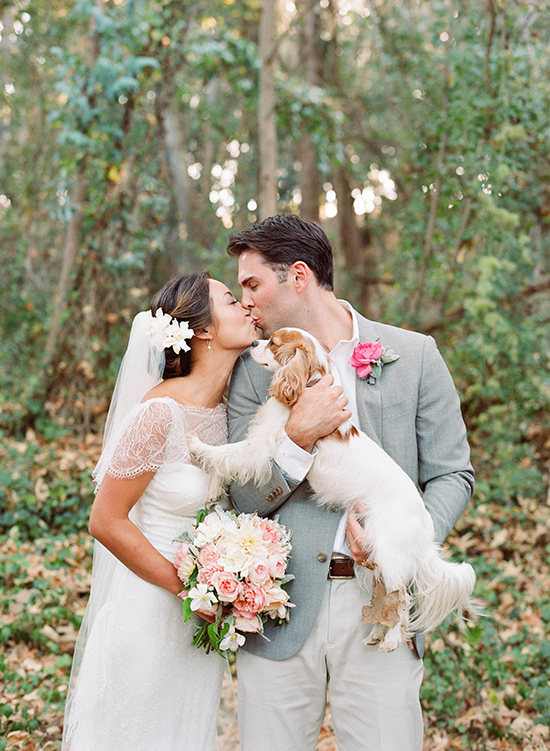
point(204, 614)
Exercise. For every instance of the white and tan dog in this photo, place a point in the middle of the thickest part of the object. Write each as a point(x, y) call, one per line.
point(350, 470)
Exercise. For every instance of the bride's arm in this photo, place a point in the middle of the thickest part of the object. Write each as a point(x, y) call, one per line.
point(110, 524)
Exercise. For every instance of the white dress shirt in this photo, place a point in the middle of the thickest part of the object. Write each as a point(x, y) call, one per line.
point(294, 461)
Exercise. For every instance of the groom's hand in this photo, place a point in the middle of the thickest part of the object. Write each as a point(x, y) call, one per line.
point(356, 540)
point(318, 411)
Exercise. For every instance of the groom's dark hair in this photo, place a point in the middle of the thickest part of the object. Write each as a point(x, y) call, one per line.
point(283, 239)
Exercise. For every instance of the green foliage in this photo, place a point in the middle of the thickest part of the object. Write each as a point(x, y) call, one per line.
point(45, 487)
point(481, 680)
point(41, 585)
point(437, 112)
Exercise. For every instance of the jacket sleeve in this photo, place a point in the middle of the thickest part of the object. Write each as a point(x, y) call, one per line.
point(446, 476)
point(244, 397)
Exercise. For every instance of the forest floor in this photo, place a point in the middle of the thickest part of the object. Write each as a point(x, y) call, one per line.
point(486, 689)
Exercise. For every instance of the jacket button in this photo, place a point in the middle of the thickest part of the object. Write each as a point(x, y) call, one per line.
point(321, 557)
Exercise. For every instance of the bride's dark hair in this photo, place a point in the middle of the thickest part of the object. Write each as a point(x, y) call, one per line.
point(185, 298)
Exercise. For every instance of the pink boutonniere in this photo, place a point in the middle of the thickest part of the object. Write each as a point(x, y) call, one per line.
point(368, 358)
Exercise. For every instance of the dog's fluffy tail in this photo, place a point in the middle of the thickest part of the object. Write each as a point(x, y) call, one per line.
point(441, 588)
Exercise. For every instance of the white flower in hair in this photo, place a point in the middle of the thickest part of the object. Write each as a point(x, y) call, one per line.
point(176, 334)
point(165, 331)
point(157, 328)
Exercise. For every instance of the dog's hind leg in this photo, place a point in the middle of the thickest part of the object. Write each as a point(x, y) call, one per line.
point(375, 635)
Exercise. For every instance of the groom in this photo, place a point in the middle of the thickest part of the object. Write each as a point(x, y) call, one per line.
point(413, 412)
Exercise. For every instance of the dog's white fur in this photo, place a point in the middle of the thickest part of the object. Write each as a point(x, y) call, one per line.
point(353, 471)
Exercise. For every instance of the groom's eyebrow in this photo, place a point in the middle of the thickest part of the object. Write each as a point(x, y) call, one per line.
point(246, 280)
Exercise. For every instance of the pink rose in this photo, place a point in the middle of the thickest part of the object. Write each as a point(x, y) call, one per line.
point(208, 560)
point(247, 622)
point(258, 573)
point(251, 600)
point(206, 573)
point(184, 562)
point(269, 534)
point(209, 555)
point(277, 567)
point(277, 602)
point(226, 585)
point(181, 553)
point(364, 355)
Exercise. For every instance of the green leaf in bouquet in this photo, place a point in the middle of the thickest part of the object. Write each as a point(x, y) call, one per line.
point(286, 578)
point(186, 607)
point(201, 516)
point(193, 578)
point(230, 514)
point(215, 637)
point(183, 537)
point(200, 638)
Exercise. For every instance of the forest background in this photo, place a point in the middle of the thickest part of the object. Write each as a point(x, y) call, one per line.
point(137, 135)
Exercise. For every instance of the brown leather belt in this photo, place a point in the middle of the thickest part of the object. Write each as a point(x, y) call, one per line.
point(341, 568)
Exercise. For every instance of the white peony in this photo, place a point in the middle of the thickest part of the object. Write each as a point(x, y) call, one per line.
point(243, 546)
point(208, 530)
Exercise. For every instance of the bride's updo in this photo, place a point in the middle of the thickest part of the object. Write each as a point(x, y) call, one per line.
point(185, 298)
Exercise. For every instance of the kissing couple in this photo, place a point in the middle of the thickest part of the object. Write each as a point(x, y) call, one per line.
point(137, 682)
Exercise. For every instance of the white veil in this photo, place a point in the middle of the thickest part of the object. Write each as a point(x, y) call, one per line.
point(141, 369)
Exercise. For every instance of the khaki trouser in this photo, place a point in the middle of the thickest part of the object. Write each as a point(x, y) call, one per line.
point(373, 696)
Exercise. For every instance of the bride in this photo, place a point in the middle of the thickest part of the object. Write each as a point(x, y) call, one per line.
point(137, 682)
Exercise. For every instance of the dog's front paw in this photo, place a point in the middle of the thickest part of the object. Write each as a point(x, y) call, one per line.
point(197, 448)
point(193, 443)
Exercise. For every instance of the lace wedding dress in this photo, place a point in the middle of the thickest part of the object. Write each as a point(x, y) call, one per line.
point(139, 683)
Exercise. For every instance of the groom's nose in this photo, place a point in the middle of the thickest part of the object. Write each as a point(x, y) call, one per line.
point(246, 302)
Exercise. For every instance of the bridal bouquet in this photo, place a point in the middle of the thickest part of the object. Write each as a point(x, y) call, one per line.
point(233, 568)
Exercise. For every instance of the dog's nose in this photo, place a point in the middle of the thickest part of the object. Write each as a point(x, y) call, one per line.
point(254, 343)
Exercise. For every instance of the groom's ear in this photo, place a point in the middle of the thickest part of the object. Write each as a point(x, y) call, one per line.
point(299, 274)
point(290, 380)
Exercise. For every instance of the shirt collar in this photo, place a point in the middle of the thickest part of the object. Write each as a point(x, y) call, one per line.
point(349, 343)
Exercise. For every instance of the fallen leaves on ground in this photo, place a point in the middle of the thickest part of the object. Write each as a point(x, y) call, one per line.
point(485, 689)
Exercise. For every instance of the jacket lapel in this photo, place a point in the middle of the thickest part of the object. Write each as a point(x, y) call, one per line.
point(368, 395)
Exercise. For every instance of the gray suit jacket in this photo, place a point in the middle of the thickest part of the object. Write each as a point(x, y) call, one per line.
point(413, 412)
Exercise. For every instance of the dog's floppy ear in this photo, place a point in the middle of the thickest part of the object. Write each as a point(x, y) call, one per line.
point(290, 380)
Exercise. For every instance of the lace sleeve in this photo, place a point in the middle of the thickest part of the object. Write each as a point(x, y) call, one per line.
point(142, 444)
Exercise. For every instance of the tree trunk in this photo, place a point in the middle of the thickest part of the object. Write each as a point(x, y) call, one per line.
point(354, 243)
point(174, 138)
point(267, 134)
point(72, 235)
point(309, 178)
point(358, 255)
